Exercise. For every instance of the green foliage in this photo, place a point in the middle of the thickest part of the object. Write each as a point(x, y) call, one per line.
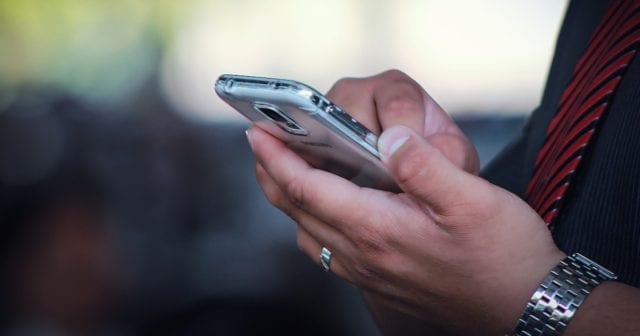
point(98, 49)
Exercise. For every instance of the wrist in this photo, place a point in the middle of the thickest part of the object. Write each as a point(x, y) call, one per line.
point(526, 277)
point(558, 297)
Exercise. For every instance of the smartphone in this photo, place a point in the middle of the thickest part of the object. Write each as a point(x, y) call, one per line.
point(318, 130)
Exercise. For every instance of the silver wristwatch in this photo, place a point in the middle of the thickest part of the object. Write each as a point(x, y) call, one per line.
point(559, 296)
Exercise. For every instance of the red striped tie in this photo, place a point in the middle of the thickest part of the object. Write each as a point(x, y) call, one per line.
point(583, 105)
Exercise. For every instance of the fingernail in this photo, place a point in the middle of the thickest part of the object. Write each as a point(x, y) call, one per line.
point(392, 139)
point(248, 133)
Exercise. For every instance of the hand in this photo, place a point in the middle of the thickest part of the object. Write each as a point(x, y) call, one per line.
point(393, 98)
point(453, 249)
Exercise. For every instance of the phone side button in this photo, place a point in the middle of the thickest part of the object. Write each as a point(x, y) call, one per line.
point(371, 139)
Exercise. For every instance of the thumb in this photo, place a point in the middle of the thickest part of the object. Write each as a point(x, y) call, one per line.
point(421, 170)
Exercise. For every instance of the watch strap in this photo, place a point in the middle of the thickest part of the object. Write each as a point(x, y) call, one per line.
point(560, 295)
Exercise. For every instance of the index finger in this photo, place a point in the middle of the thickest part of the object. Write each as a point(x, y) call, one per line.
point(399, 100)
point(326, 196)
point(355, 96)
point(381, 101)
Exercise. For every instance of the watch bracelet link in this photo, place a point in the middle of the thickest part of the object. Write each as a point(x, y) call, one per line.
point(559, 296)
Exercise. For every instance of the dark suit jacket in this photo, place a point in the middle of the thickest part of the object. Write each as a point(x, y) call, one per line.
point(601, 214)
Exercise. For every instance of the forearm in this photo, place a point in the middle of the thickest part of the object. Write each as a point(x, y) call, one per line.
point(393, 322)
point(611, 309)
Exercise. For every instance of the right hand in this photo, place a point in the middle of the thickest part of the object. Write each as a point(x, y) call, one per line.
point(393, 98)
point(431, 253)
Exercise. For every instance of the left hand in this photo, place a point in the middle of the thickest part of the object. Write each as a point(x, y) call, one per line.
point(453, 250)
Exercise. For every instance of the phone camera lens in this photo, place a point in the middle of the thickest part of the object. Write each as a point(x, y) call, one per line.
point(292, 125)
point(280, 118)
point(272, 114)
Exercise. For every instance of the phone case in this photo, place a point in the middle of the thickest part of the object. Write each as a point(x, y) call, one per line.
point(318, 130)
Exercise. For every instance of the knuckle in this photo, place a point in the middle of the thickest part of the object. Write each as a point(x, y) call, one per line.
point(274, 197)
point(298, 193)
point(395, 74)
point(278, 200)
point(345, 84)
point(412, 169)
point(402, 103)
point(345, 92)
point(273, 194)
point(372, 242)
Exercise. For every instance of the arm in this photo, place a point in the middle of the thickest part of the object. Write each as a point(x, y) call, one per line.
point(397, 99)
point(612, 309)
point(392, 322)
point(452, 250)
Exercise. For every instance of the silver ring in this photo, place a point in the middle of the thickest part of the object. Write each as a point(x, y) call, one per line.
point(325, 259)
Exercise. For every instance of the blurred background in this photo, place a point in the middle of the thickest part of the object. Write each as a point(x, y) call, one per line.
point(128, 204)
